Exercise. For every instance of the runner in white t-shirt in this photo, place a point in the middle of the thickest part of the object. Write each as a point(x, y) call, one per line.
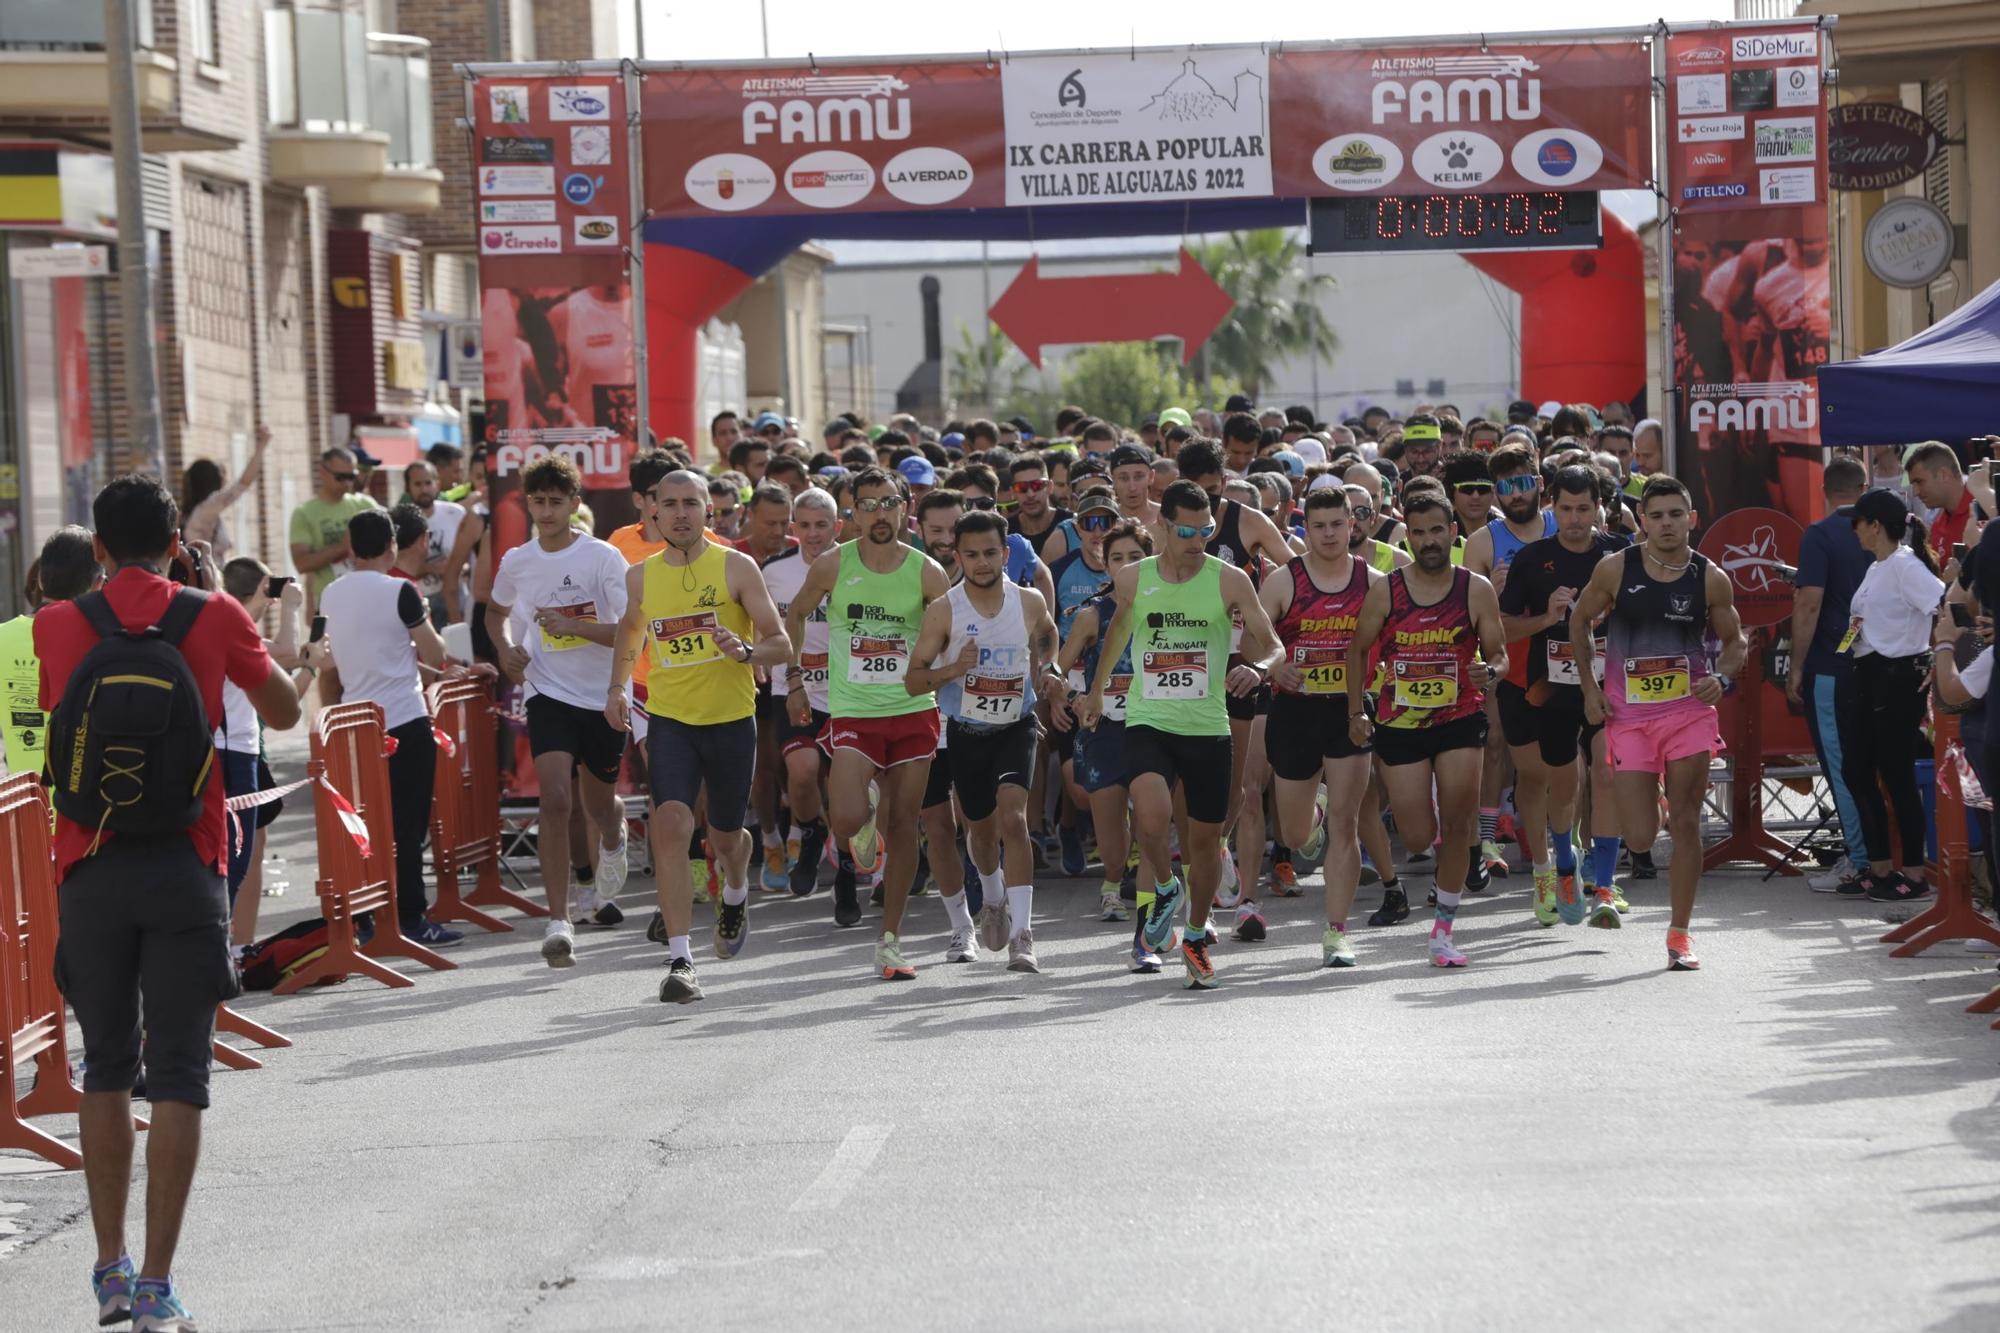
point(815, 522)
point(569, 589)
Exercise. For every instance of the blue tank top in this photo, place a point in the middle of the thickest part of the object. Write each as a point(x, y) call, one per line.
point(1021, 560)
point(1106, 607)
point(1506, 545)
point(1076, 583)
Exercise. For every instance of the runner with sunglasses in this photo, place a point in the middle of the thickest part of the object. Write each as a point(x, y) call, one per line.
point(1433, 622)
point(1377, 555)
point(1036, 517)
point(878, 732)
point(1078, 577)
point(1176, 611)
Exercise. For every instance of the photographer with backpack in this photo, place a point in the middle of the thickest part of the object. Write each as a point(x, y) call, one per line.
point(131, 677)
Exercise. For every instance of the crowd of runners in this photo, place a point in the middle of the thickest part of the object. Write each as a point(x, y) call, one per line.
point(1200, 654)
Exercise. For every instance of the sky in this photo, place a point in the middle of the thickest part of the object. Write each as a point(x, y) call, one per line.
point(730, 30)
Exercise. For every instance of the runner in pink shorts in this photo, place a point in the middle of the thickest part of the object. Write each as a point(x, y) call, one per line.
point(1663, 600)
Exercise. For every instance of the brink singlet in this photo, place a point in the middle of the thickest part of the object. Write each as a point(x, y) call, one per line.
point(1318, 626)
point(1427, 656)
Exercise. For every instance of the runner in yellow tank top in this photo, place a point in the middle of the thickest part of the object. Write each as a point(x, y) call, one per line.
point(704, 618)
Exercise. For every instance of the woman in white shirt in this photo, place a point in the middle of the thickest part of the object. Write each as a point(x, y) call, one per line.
point(1880, 716)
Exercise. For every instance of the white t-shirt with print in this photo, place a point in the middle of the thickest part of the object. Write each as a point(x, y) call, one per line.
point(445, 519)
point(369, 617)
point(586, 581)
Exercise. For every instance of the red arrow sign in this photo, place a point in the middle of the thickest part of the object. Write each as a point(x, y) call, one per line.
point(1038, 312)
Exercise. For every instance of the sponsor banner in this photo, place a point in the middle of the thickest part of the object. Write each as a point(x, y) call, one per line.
point(551, 161)
point(1752, 320)
point(1138, 127)
point(873, 138)
point(517, 210)
point(1412, 120)
point(516, 148)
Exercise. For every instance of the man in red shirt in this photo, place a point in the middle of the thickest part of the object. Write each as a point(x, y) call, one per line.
point(148, 916)
point(1939, 485)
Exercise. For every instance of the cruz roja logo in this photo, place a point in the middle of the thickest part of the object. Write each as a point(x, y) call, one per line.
point(1072, 93)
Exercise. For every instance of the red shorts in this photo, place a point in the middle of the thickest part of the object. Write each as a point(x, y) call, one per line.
point(1649, 744)
point(886, 741)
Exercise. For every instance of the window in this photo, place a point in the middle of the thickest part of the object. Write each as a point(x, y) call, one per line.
point(201, 27)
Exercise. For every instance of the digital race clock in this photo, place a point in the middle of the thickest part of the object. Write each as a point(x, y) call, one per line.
point(1522, 220)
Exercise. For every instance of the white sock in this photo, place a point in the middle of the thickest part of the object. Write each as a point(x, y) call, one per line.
point(1542, 867)
point(735, 895)
point(1021, 906)
point(957, 912)
point(773, 838)
point(677, 947)
point(992, 889)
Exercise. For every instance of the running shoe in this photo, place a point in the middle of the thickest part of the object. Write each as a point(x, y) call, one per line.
point(1900, 888)
point(1194, 955)
point(1569, 902)
point(679, 985)
point(732, 928)
point(1495, 859)
point(1228, 889)
point(1858, 887)
point(1369, 875)
point(1285, 880)
point(656, 929)
point(1250, 927)
point(1680, 952)
point(1603, 915)
point(559, 944)
point(1395, 909)
point(794, 845)
point(112, 1285)
point(432, 936)
point(156, 1309)
point(805, 866)
point(613, 867)
point(1643, 867)
point(1143, 958)
point(1159, 928)
point(1443, 952)
point(846, 903)
point(1315, 843)
point(866, 845)
point(889, 962)
point(992, 923)
point(1830, 879)
point(1074, 862)
point(1545, 896)
point(1128, 885)
point(1478, 879)
point(583, 900)
point(1021, 953)
point(777, 876)
point(1110, 907)
point(1335, 950)
point(1618, 899)
point(962, 948)
point(698, 872)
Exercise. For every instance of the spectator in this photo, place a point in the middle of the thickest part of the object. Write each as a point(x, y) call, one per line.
point(1649, 448)
point(319, 536)
point(379, 630)
point(412, 542)
point(448, 460)
point(1831, 567)
point(206, 495)
point(146, 918)
point(1939, 486)
point(66, 569)
point(442, 520)
point(1889, 637)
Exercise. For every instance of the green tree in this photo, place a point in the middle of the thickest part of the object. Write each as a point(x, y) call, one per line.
point(1271, 279)
point(985, 375)
point(1123, 382)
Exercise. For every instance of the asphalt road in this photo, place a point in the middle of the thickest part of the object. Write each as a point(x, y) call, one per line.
point(1803, 1135)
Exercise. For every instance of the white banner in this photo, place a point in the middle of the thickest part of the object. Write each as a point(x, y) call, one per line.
point(1114, 129)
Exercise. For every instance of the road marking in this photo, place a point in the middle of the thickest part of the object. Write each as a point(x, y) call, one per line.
point(856, 1153)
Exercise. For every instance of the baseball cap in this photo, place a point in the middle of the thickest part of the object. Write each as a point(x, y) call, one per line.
point(1239, 403)
point(1176, 416)
point(1150, 419)
point(1022, 424)
point(1549, 409)
point(765, 420)
point(1520, 410)
point(1311, 450)
point(876, 432)
point(1096, 500)
point(918, 471)
point(952, 439)
point(1126, 454)
point(1295, 466)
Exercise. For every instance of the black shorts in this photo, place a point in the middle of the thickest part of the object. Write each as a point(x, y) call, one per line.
point(1063, 743)
point(1304, 732)
point(143, 948)
point(1556, 726)
point(983, 761)
point(1248, 707)
point(682, 758)
point(792, 737)
point(1416, 745)
point(770, 707)
point(555, 727)
point(937, 787)
point(1201, 764)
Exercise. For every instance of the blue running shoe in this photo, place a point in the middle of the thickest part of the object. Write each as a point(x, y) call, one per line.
point(155, 1308)
point(1143, 958)
point(432, 936)
point(113, 1287)
point(1074, 863)
point(1160, 916)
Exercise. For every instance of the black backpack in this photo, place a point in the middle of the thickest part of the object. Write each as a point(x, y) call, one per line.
point(130, 748)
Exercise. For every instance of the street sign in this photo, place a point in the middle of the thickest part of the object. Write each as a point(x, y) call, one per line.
point(60, 261)
point(1038, 312)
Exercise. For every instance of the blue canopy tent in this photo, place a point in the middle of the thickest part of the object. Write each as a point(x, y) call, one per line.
point(1943, 384)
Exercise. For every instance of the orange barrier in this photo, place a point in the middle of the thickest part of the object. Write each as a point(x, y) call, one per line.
point(33, 1026)
point(357, 851)
point(465, 811)
point(1747, 839)
point(1951, 916)
point(228, 1020)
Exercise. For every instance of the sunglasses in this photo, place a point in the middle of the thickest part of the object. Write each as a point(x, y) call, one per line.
point(1183, 531)
point(1475, 487)
point(887, 502)
point(1035, 487)
point(1362, 512)
point(979, 502)
point(345, 478)
point(1096, 522)
point(1520, 485)
point(1271, 514)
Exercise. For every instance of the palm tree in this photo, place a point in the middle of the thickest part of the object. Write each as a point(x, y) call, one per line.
point(1277, 312)
point(985, 376)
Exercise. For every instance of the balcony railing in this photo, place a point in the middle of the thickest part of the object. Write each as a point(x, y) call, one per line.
point(317, 66)
point(399, 96)
point(64, 25)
